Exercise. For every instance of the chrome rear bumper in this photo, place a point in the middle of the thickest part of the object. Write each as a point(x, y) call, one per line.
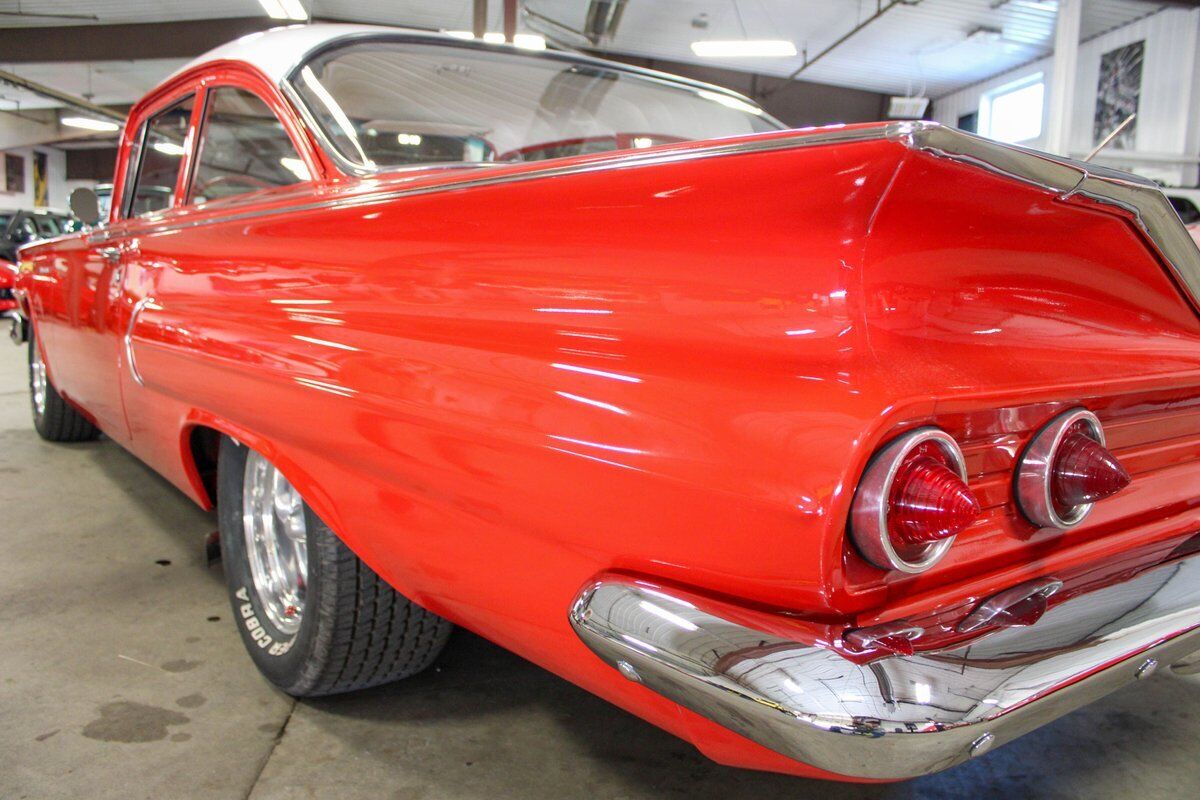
point(895, 717)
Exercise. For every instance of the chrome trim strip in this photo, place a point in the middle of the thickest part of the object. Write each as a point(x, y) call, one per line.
point(138, 307)
point(899, 716)
point(623, 161)
point(1146, 205)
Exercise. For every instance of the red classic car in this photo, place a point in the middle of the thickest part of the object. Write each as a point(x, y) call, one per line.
point(848, 452)
point(8, 283)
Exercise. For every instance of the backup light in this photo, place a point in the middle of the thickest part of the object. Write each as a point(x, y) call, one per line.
point(912, 501)
point(1065, 470)
point(890, 637)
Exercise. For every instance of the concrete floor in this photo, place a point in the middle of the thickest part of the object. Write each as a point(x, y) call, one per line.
point(121, 675)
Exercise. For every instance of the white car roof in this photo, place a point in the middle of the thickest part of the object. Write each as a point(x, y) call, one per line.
point(277, 51)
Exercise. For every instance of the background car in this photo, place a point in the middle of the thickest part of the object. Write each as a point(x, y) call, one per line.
point(19, 227)
point(1186, 203)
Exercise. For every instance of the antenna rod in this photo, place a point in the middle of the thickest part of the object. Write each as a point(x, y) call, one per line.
point(1117, 130)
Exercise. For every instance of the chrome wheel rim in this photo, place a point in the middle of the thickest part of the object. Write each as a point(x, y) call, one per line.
point(37, 381)
point(276, 542)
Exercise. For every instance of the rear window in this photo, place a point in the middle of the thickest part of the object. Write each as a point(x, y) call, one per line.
point(385, 103)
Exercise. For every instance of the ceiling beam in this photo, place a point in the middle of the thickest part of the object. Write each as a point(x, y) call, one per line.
point(123, 42)
point(880, 9)
point(62, 97)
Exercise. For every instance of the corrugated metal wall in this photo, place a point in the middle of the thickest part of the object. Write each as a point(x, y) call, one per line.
point(1168, 125)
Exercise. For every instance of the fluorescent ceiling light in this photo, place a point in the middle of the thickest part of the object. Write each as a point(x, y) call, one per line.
point(529, 41)
point(284, 9)
point(526, 41)
point(273, 8)
point(745, 48)
point(730, 102)
point(168, 148)
point(87, 123)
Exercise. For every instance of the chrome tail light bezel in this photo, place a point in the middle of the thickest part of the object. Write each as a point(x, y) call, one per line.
point(1035, 471)
point(868, 513)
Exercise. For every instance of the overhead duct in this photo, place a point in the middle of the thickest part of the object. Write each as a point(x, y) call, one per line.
point(12, 79)
point(603, 17)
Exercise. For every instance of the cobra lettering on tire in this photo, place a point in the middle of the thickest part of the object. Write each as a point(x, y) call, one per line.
point(257, 632)
point(284, 567)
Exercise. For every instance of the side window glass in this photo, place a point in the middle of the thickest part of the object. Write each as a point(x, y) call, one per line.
point(47, 226)
point(243, 148)
point(161, 158)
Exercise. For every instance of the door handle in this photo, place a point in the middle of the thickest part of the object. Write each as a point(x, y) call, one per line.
point(112, 254)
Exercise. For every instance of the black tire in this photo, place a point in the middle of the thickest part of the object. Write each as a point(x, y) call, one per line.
point(57, 420)
point(356, 631)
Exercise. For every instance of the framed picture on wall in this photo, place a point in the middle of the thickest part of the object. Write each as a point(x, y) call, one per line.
point(14, 173)
point(41, 180)
point(1118, 94)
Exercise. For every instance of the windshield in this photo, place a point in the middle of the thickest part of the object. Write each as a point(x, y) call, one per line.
point(386, 103)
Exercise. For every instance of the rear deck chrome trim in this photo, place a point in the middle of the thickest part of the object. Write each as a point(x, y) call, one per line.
point(899, 716)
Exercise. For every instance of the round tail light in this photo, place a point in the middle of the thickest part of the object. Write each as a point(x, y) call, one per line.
point(1065, 470)
point(912, 501)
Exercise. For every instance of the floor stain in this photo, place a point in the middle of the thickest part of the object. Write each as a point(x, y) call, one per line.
point(269, 727)
point(126, 721)
point(180, 665)
point(180, 737)
point(191, 701)
point(43, 737)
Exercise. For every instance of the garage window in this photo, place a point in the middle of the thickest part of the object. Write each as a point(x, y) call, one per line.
point(1013, 113)
point(243, 148)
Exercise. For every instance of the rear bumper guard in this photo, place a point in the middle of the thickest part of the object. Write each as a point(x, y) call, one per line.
point(895, 717)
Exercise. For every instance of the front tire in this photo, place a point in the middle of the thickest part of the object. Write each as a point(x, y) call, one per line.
point(54, 418)
point(315, 618)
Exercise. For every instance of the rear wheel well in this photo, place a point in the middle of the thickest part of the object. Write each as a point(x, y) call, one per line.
point(204, 444)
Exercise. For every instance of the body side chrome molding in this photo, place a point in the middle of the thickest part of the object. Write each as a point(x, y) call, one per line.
point(1136, 197)
point(138, 308)
point(898, 716)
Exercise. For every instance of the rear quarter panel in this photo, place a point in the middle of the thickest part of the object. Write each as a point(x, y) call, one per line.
point(679, 370)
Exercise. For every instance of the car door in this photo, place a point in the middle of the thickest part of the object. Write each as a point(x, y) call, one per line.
point(242, 157)
point(89, 345)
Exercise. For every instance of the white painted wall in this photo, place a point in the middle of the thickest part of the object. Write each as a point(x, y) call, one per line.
point(1168, 124)
point(57, 192)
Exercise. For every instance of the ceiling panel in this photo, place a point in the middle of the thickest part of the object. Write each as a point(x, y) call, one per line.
point(919, 48)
